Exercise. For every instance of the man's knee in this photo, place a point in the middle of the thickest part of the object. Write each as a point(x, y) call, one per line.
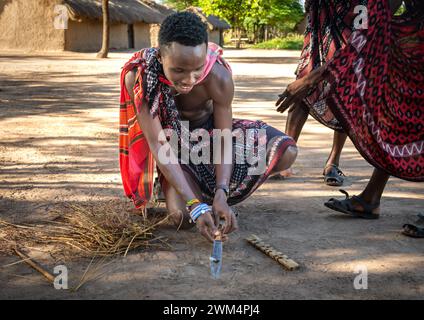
point(291, 155)
point(287, 159)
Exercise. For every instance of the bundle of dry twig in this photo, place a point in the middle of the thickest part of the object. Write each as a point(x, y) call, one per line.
point(87, 231)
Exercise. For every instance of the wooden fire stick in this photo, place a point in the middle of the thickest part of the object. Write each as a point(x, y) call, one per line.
point(282, 259)
point(36, 266)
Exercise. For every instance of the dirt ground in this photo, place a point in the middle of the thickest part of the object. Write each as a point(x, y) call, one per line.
point(59, 121)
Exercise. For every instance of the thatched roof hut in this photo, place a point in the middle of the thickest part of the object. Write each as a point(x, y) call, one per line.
point(121, 11)
point(213, 22)
point(134, 22)
point(216, 25)
point(76, 25)
point(166, 11)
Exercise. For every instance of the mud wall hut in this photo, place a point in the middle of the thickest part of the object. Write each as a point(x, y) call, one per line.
point(76, 25)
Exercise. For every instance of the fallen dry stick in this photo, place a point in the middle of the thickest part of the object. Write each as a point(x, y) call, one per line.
point(282, 259)
point(35, 265)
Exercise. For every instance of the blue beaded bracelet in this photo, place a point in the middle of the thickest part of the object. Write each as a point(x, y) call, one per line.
point(198, 211)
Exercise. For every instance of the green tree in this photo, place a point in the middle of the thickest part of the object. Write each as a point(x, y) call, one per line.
point(234, 12)
point(278, 15)
point(256, 17)
point(182, 4)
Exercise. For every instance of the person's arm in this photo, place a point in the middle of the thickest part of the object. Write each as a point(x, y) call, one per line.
point(222, 92)
point(299, 89)
point(152, 128)
point(172, 172)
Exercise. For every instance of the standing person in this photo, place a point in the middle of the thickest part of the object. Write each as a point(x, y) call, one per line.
point(330, 25)
point(376, 93)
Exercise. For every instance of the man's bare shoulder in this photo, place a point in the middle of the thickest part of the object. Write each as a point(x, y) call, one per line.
point(220, 75)
point(220, 81)
point(130, 81)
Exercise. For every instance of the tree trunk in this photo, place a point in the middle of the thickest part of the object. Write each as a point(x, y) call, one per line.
point(221, 38)
point(106, 30)
point(262, 33)
point(238, 45)
point(266, 33)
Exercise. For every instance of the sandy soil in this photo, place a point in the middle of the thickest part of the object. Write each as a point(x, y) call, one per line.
point(59, 119)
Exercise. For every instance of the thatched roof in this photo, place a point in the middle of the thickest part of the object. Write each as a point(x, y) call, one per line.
point(133, 11)
point(159, 7)
point(124, 11)
point(218, 23)
point(213, 21)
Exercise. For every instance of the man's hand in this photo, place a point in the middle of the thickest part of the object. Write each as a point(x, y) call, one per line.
point(206, 225)
point(294, 94)
point(299, 90)
point(223, 211)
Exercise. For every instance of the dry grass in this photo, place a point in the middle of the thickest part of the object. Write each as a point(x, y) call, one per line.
point(84, 231)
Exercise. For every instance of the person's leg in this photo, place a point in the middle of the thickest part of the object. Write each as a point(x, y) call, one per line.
point(296, 119)
point(374, 190)
point(333, 176)
point(339, 140)
point(367, 204)
point(176, 206)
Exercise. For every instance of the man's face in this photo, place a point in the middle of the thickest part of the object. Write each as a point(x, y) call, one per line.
point(183, 65)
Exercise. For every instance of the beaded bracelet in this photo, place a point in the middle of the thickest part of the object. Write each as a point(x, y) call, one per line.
point(198, 211)
point(191, 203)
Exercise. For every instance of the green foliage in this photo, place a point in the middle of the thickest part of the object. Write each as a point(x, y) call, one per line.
point(249, 17)
point(181, 4)
point(233, 11)
point(276, 12)
point(291, 42)
point(245, 13)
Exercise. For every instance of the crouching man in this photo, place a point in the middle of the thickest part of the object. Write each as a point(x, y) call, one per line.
point(176, 111)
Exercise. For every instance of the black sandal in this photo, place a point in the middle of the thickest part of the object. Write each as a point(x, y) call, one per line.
point(346, 206)
point(334, 177)
point(413, 231)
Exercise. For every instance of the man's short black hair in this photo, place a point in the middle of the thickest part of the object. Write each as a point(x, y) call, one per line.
point(185, 28)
